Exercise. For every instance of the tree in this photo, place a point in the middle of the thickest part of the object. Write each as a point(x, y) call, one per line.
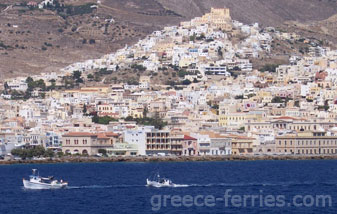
point(269, 67)
point(192, 38)
point(90, 77)
point(132, 82)
point(60, 154)
point(29, 80)
point(84, 108)
point(102, 151)
point(16, 95)
point(49, 153)
point(129, 118)
point(105, 71)
point(6, 86)
point(27, 95)
point(201, 37)
point(277, 100)
point(102, 120)
point(95, 119)
point(77, 74)
point(251, 95)
point(186, 82)
point(156, 121)
point(138, 67)
point(38, 151)
point(145, 111)
point(19, 153)
point(43, 95)
point(41, 84)
point(24, 153)
point(297, 103)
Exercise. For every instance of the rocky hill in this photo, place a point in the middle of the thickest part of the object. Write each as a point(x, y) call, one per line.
point(266, 12)
point(38, 40)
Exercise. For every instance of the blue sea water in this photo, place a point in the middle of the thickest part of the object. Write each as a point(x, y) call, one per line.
point(120, 188)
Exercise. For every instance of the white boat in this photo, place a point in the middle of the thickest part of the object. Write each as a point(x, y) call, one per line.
point(37, 182)
point(157, 181)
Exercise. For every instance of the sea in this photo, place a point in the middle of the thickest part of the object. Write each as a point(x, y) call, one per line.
point(201, 187)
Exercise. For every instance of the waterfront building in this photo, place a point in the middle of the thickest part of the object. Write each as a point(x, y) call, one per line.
point(242, 145)
point(190, 146)
point(158, 141)
point(88, 143)
point(307, 143)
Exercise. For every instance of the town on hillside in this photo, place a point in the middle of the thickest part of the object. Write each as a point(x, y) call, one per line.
point(197, 89)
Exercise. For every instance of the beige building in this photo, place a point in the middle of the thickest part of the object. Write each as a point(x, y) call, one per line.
point(219, 18)
point(242, 145)
point(307, 143)
point(158, 142)
point(88, 143)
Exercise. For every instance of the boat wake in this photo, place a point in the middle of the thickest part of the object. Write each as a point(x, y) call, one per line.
point(283, 184)
point(180, 185)
point(103, 186)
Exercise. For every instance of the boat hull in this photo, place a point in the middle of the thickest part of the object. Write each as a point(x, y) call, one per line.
point(33, 185)
point(157, 184)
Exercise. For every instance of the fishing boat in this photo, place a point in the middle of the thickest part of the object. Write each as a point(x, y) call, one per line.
point(158, 181)
point(37, 182)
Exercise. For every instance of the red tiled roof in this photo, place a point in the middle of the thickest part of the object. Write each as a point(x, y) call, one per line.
point(111, 134)
point(173, 93)
point(288, 118)
point(321, 75)
point(79, 134)
point(186, 137)
point(130, 127)
point(102, 136)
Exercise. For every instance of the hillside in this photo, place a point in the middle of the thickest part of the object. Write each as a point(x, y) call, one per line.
point(266, 12)
point(325, 30)
point(34, 40)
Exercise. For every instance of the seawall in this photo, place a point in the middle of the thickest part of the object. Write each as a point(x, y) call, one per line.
point(78, 159)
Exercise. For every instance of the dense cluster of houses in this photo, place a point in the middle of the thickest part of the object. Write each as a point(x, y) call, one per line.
point(290, 111)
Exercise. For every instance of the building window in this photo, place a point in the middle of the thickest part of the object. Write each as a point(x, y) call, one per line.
point(67, 142)
point(76, 142)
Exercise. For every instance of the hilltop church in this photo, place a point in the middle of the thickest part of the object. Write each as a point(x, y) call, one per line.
point(219, 18)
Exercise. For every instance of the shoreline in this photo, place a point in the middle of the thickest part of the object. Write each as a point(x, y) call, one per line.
point(164, 159)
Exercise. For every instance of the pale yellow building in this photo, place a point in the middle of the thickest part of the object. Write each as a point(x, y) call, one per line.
point(242, 145)
point(88, 143)
point(219, 18)
point(307, 143)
